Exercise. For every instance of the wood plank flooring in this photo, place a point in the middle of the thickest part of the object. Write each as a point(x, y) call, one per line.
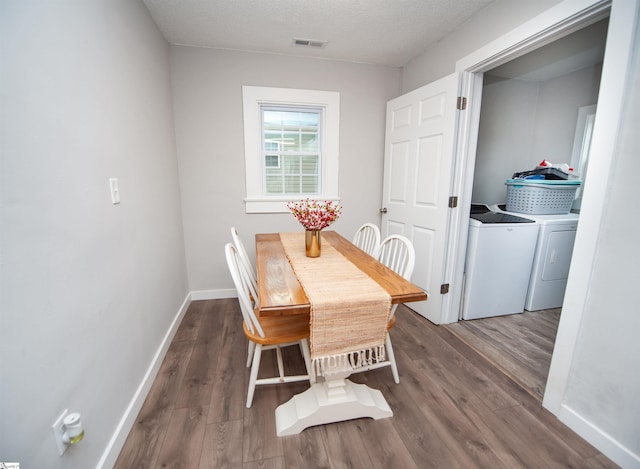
point(454, 406)
point(520, 344)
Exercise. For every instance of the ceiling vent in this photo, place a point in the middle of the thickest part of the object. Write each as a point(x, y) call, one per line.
point(297, 42)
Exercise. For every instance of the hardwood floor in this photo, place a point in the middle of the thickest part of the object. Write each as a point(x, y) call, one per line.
point(520, 344)
point(453, 407)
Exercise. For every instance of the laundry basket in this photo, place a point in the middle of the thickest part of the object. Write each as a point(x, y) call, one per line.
point(541, 197)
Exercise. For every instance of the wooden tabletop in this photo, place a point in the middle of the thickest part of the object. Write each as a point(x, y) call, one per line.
point(281, 294)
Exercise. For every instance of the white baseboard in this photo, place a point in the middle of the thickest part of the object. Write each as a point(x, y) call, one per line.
point(601, 441)
point(116, 443)
point(213, 294)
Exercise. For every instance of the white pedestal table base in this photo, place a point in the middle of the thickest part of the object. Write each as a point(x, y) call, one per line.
point(327, 402)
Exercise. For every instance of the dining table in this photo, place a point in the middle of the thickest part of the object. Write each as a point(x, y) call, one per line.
point(333, 397)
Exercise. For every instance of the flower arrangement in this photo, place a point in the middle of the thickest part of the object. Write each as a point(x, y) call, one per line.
point(315, 214)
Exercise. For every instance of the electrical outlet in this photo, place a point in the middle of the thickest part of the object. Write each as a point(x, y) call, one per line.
point(58, 432)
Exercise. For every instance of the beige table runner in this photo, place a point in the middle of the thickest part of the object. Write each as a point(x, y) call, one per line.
point(349, 310)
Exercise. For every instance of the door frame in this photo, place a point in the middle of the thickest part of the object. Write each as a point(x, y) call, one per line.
point(561, 20)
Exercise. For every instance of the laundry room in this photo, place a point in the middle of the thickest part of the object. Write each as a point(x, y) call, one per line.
point(539, 107)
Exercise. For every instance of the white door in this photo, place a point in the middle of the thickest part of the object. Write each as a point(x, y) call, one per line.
point(418, 170)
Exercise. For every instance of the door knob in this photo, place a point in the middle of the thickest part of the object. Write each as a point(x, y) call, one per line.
point(383, 210)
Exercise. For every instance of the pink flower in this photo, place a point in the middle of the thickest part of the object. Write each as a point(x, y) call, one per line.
point(315, 214)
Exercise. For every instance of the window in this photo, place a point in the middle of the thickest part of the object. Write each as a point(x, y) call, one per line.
point(291, 146)
point(581, 148)
point(291, 150)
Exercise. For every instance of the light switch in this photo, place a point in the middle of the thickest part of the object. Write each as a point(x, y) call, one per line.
point(115, 191)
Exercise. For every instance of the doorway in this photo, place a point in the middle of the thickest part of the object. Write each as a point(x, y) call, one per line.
point(531, 111)
point(620, 50)
point(530, 108)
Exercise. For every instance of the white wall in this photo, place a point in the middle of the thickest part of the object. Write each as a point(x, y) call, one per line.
point(505, 139)
point(557, 113)
point(88, 289)
point(523, 123)
point(207, 90)
point(604, 382)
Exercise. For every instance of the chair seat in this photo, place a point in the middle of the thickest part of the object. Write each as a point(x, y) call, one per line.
point(280, 330)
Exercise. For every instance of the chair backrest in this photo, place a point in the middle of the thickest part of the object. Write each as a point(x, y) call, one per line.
point(397, 253)
point(244, 257)
point(247, 295)
point(367, 238)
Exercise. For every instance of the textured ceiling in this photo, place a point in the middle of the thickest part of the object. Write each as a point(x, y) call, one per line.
point(385, 32)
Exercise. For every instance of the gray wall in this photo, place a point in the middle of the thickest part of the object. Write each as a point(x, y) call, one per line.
point(88, 289)
point(523, 123)
point(207, 90)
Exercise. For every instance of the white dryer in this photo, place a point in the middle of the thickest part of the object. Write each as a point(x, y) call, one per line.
point(552, 258)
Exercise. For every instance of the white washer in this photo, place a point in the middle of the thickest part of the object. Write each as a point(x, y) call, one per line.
point(500, 252)
point(552, 258)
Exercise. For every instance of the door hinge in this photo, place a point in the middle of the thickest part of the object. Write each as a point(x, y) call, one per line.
point(444, 288)
point(462, 103)
point(453, 201)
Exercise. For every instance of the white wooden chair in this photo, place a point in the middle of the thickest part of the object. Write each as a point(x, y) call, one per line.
point(244, 257)
point(367, 238)
point(397, 253)
point(253, 277)
point(267, 332)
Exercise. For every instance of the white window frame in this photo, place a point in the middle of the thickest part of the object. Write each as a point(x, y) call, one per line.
point(299, 152)
point(253, 98)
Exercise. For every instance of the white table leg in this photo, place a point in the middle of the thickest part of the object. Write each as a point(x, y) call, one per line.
point(334, 400)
